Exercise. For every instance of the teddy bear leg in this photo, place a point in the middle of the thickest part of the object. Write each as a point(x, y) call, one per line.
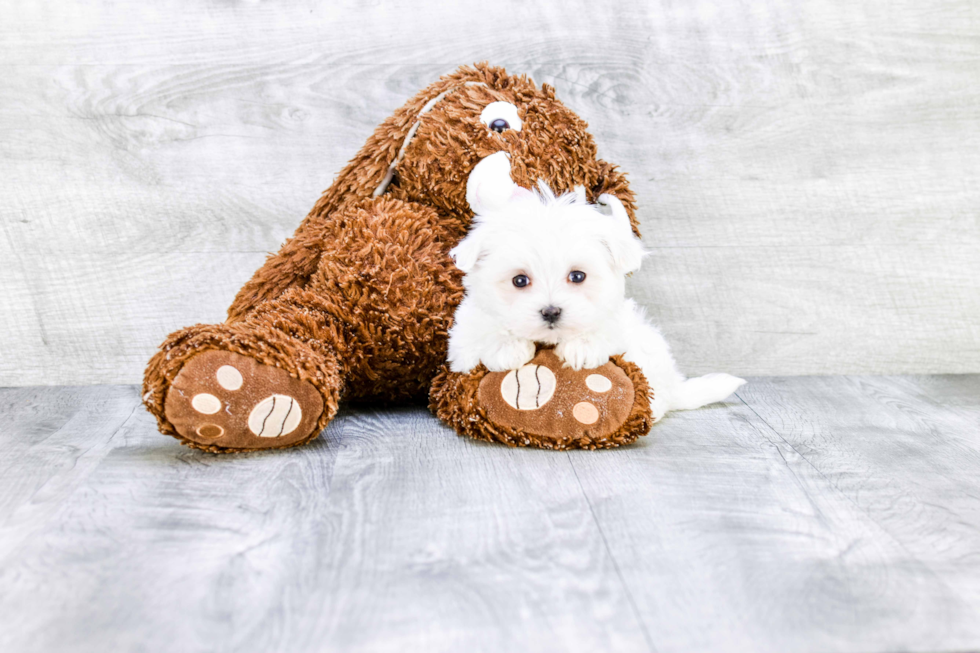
point(242, 386)
point(547, 405)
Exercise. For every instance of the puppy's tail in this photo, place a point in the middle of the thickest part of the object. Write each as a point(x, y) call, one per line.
point(704, 390)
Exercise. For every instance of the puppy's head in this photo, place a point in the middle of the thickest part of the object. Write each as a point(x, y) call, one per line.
point(549, 268)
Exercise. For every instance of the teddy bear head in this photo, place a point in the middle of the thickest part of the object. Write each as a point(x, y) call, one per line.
point(473, 137)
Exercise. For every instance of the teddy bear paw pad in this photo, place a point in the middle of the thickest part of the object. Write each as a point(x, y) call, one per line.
point(556, 403)
point(226, 400)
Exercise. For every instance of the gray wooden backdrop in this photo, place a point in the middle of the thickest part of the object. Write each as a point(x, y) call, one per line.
point(807, 171)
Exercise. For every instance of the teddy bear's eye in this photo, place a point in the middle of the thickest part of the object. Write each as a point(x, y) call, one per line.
point(501, 116)
point(521, 281)
point(576, 276)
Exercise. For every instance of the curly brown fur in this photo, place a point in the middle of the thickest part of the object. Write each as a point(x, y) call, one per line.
point(359, 301)
point(440, 157)
point(453, 400)
point(271, 349)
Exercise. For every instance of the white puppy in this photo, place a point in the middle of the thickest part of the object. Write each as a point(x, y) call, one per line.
point(552, 270)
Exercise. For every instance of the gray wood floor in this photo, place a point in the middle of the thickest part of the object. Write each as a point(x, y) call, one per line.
point(808, 514)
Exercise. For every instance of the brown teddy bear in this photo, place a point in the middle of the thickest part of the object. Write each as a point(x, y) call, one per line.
point(358, 303)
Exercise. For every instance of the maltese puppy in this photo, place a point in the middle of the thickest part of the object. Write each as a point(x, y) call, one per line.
point(552, 270)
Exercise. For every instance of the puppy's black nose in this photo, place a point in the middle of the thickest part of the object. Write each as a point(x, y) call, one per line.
point(550, 314)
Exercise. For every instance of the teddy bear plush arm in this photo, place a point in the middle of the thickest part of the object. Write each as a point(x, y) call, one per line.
point(296, 260)
point(293, 264)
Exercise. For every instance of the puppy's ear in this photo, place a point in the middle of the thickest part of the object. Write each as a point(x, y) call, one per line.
point(626, 249)
point(468, 252)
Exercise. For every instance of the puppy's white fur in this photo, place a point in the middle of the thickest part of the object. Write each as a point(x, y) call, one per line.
point(545, 239)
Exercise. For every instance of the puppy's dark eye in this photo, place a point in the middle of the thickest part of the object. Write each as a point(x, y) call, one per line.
point(576, 276)
point(521, 281)
point(499, 125)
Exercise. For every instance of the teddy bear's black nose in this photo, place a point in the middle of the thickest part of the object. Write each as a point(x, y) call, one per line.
point(551, 314)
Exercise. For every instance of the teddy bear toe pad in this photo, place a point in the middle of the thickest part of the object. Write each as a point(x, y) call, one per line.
point(546, 399)
point(224, 400)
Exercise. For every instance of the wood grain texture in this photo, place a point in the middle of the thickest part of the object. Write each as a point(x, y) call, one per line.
point(389, 533)
point(806, 172)
point(822, 514)
point(807, 514)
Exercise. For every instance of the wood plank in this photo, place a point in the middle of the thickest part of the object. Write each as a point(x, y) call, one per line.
point(823, 525)
point(911, 466)
point(388, 534)
point(805, 174)
point(819, 513)
point(53, 439)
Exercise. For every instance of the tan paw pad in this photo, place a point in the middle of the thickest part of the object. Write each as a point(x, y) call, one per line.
point(528, 388)
point(585, 413)
point(210, 431)
point(598, 383)
point(206, 404)
point(275, 416)
point(229, 378)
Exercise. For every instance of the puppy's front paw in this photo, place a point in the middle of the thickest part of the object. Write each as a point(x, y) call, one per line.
point(462, 362)
point(583, 353)
point(508, 355)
